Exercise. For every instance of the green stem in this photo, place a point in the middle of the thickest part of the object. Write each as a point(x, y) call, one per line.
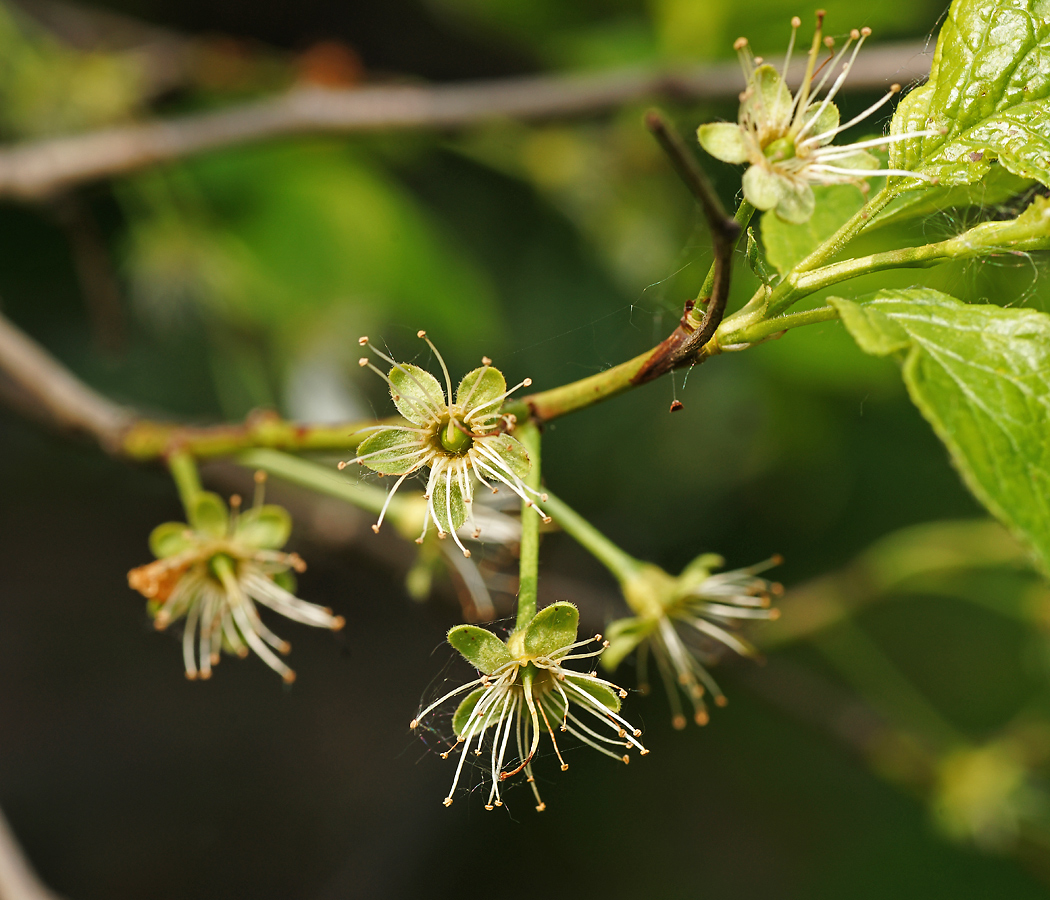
point(765, 328)
point(528, 582)
point(621, 564)
point(183, 468)
point(784, 293)
point(146, 440)
point(406, 512)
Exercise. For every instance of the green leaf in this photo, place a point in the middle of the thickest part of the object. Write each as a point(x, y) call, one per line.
point(208, 515)
point(981, 377)
point(170, 539)
point(787, 245)
point(396, 451)
point(463, 712)
point(266, 527)
point(450, 511)
point(513, 453)
point(481, 648)
point(606, 697)
point(988, 90)
point(416, 394)
point(480, 388)
point(552, 628)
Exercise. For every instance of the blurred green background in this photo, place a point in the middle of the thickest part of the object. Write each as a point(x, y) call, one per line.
point(902, 749)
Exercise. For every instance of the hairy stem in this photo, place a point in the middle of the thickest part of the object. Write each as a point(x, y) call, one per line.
point(766, 328)
point(783, 294)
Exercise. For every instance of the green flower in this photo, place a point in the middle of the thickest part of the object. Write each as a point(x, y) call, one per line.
point(460, 440)
point(786, 139)
point(526, 689)
point(677, 616)
point(214, 571)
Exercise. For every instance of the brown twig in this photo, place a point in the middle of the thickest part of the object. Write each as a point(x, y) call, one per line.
point(66, 400)
point(685, 343)
point(38, 168)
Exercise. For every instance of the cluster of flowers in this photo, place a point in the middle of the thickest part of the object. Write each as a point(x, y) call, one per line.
point(214, 570)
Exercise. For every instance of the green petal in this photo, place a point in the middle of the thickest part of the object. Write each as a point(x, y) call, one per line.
point(396, 450)
point(481, 648)
point(479, 388)
point(797, 204)
point(624, 635)
point(265, 527)
point(769, 103)
point(513, 453)
point(762, 188)
point(724, 141)
point(606, 697)
point(170, 539)
point(450, 510)
point(552, 628)
point(208, 515)
point(463, 712)
point(827, 120)
point(416, 394)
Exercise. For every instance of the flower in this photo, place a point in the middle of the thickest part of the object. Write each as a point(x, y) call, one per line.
point(786, 140)
point(672, 612)
point(215, 571)
point(459, 441)
point(526, 688)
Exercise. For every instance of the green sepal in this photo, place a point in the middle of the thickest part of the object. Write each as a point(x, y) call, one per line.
point(208, 515)
point(551, 629)
point(286, 580)
point(463, 712)
point(624, 635)
point(481, 387)
point(770, 104)
point(513, 453)
point(702, 567)
point(827, 119)
point(450, 510)
point(170, 539)
point(481, 648)
point(265, 527)
point(606, 697)
point(763, 189)
point(724, 141)
point(416, 393)
point(392, 448)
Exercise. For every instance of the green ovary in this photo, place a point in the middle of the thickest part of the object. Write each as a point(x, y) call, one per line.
point(454, 439)
point(780, 149)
